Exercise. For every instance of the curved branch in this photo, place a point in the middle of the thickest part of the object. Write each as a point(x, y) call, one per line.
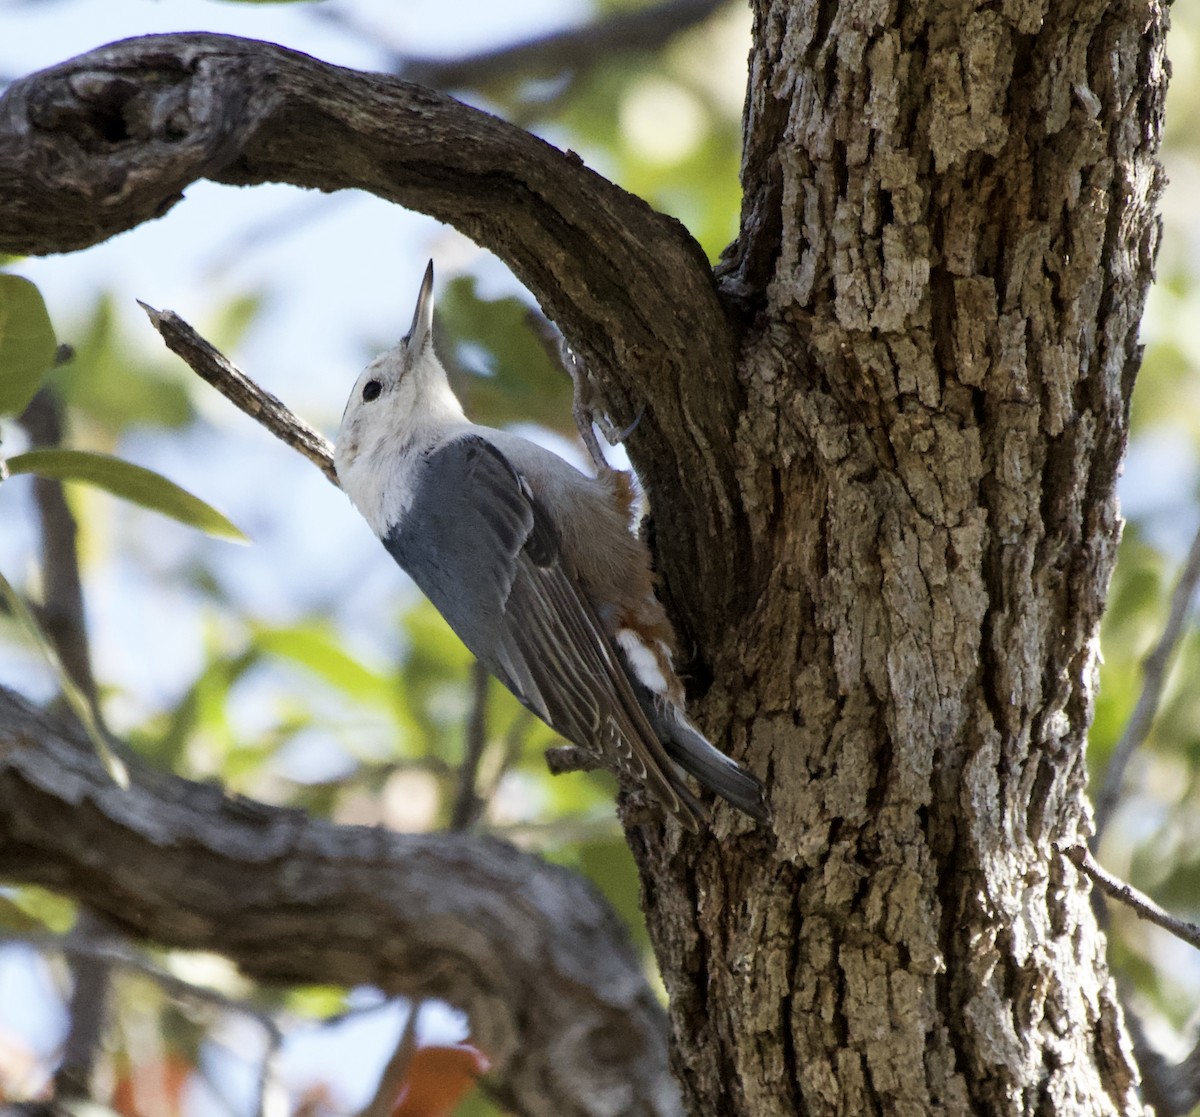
point(110, 139)
point(554, 991)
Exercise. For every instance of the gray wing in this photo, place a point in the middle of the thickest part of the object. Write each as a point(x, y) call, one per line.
point(486, 554)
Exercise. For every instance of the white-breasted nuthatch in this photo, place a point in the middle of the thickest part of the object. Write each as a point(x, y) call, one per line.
point(535, 567)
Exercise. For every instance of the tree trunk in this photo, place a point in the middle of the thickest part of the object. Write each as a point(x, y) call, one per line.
point(948, 236)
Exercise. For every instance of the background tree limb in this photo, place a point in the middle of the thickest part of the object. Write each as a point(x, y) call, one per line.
point(62, 617)
point(61, 612)
point(555, 992)
point(643, 30)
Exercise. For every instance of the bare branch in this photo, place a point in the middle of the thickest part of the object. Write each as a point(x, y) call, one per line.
point(63, 621)
point(1141, 904)
point(1172, 1089)
point(87, 1011)
point(1154, 677)
point(533, 954)
point(61, 612)
point(384, 1099)
point(212, 365)
point(571, 758)
point(103, 142)
point(467, 801)
point(643, 30)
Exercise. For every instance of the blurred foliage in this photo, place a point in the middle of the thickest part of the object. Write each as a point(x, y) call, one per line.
point(70, 689)
point(665, 125)
point(661, 130)
point(30, 908)
point(502, 359)
point(107, 386)
point(1154, 838)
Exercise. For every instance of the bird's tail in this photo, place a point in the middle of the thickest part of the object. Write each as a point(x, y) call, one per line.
point(689, 748)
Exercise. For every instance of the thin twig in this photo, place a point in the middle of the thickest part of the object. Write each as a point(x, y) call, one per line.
point(87, 1010)
point(62, 619)
point(1154, 676)
point(117, 954)
point(61, 613)
point(269, 1095)
point(1141, 904)
point(514, 742)
point(561, 759)
point(210, 364)
point(392, 1078)
point(467, 802)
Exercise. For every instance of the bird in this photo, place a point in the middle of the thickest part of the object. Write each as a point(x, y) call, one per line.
point(535, 565)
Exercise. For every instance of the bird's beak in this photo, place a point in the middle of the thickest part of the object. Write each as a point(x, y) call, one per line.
point(421, 331)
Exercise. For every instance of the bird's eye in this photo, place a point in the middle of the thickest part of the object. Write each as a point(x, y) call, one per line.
point(371, 390)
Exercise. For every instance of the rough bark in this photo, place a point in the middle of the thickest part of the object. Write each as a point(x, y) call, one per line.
point(534, 955)
point(948, 235)
point(888, 527)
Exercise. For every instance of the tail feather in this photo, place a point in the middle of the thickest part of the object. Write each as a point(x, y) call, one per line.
point(715, 771)
point(685, 745)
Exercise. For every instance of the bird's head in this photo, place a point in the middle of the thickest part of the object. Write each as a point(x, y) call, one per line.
point(402, 400)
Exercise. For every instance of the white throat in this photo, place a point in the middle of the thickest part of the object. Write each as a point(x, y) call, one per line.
point(381, 441)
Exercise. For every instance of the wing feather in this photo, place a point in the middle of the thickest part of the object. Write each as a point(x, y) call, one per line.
point(479, 545)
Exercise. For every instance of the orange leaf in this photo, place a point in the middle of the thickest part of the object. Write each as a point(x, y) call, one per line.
point(152, 1089)
point(437, 1079)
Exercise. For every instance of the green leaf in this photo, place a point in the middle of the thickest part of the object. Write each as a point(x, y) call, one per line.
point(201, 713)
point(477, 1104)
point(316, 1002)
point(233, 320)
point(26, 343)
point(315, 647)
point(129, 482)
